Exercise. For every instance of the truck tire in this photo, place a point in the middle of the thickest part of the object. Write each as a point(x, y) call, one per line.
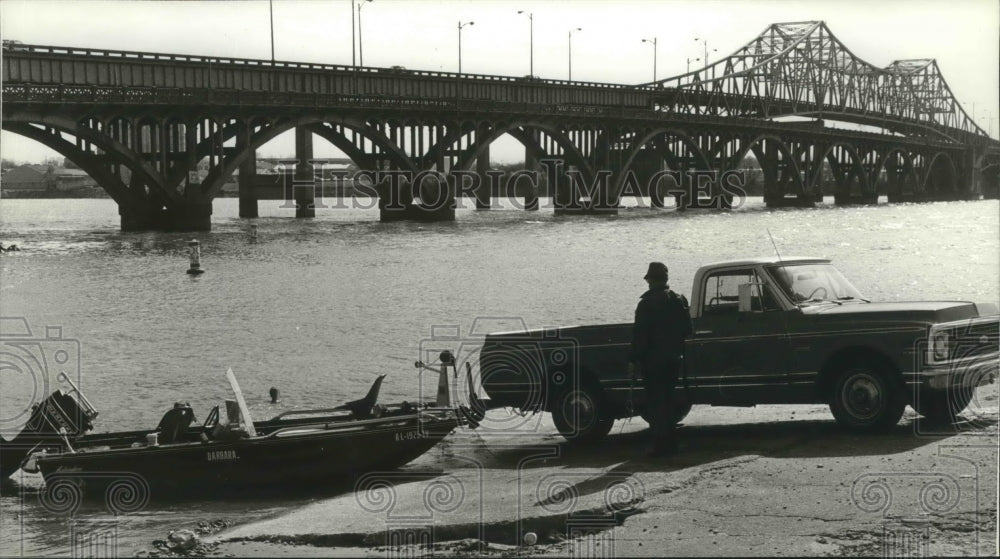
point(942, 406)
point(867, 398)
point(680, 411)
point(579, 415)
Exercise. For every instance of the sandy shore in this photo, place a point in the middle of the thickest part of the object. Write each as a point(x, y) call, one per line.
point(771, 480)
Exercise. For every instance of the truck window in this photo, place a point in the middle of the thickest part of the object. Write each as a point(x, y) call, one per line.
point(722, 294)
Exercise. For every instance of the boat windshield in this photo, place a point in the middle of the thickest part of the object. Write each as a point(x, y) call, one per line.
point(814, 283)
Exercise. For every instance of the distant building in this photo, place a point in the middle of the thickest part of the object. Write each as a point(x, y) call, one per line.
point(36, 178)
point(45, 178)
point(72, 179)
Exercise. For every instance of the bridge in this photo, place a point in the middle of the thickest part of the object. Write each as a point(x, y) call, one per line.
point(142, 123)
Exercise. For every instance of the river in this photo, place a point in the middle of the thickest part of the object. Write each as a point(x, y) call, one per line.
point(319, 307)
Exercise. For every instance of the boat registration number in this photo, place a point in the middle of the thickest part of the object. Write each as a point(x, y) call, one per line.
point(217, 455)
point(409, 436)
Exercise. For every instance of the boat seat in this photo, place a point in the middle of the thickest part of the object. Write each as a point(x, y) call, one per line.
point(175, 423)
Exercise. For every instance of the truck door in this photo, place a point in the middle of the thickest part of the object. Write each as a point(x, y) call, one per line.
point(737, 357)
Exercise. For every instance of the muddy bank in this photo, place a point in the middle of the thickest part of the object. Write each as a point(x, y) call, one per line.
point(781, 480)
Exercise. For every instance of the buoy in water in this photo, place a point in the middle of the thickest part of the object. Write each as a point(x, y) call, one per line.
point(274, 395)
point(194, 249)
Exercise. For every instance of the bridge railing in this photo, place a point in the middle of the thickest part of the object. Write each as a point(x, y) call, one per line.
point(125, 55)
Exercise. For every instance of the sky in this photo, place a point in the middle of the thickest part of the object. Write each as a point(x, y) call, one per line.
point(422, 34)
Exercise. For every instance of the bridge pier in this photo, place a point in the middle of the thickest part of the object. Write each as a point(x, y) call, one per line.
point(304, 184)
point(247, 176)
point(484, 194)
point(566, 197)
point(147, 217)
point(531, 192)
point(396, 199)
point(848, 199)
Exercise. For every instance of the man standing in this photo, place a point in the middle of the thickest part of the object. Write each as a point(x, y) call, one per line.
point(661, 323)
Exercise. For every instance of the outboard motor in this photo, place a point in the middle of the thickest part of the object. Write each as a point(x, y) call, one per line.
point(53, 423)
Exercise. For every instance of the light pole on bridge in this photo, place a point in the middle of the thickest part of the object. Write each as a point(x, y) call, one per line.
point(570, 42)
point(361, 44)
point(460, 26)
point(270, 8)
point(705, 43)
point(689, 63)
point(531, 42)
point(653, 42)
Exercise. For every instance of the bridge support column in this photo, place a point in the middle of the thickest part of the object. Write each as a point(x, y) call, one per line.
point(484, 194)
point(143, 216)
point(247, 176)
point(396, 194)
point(895, 176)
point(304, 184)
point(531, 192)
point(657, 189)
point(970, 187)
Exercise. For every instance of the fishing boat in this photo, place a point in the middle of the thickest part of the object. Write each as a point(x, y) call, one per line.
point(229, 451)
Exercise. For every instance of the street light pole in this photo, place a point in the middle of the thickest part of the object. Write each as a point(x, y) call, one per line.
point(354, 41)
point(361, 43)
point(653, 42)
point(705, 43)
point(270, 7)
point(460, 26)
point(570, 42)
point(531, 42)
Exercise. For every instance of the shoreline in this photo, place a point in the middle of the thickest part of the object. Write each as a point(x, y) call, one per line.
point(776, 479)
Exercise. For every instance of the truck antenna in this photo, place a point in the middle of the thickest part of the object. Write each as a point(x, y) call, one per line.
point(773, 244)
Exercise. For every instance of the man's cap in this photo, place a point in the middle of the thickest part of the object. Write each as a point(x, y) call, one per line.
point(656, 271)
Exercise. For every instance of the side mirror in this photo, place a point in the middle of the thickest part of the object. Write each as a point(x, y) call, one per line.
point(745, 305)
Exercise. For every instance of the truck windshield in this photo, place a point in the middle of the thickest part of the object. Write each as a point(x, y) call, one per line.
point(814, 283)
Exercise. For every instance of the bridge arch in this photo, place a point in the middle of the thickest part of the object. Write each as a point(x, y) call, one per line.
point(900, 173)
point(97, 170)
point(847, 167)
point(779, 164)
point(662, 151)
point(220, 173)
point(522, 130)
point(941, 176)
point(115, 152)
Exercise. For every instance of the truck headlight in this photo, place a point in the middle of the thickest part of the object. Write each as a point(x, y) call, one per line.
point(939, 345)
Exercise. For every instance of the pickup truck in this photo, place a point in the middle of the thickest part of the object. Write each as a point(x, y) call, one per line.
point(766, 331)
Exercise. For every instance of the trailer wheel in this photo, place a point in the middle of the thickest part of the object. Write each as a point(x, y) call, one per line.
point(578, 414)
point(942, 406)
point(867, 398)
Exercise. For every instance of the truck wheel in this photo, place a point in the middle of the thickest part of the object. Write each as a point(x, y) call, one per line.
point(943, 406)
point(680, 411)
point(867, 399)
point(578, 415)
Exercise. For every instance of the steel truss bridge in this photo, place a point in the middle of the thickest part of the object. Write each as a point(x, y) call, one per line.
point(142, 123)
